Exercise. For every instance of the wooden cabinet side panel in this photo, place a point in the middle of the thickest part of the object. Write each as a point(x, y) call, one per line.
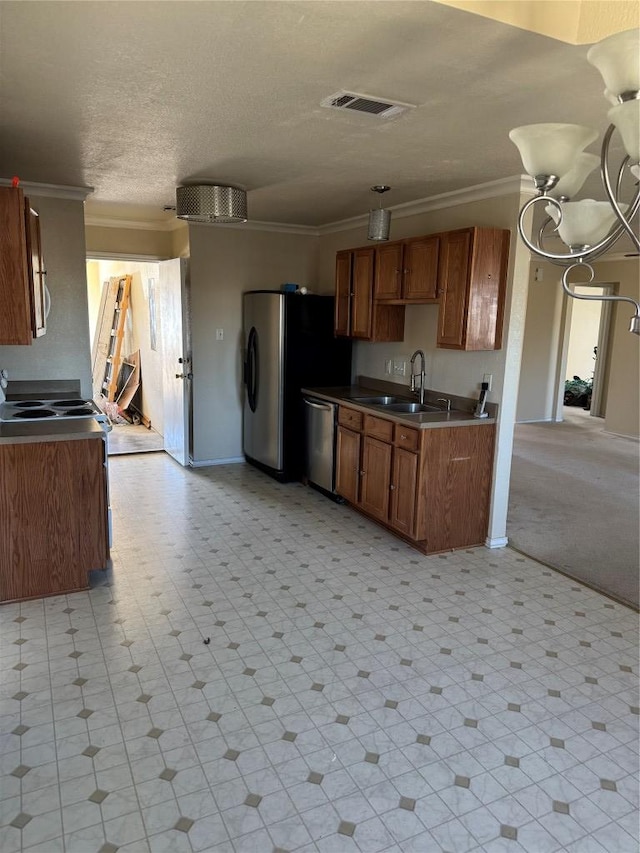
point(376, 478)
point(421, 268)
point(453, 275)
point(15, 308)
point(362, 289)
point(388, 274)
point(458, 465)
point(404, 479)
point(53, 517)
point(487, 285)
point(348, 464)
point(343, 294)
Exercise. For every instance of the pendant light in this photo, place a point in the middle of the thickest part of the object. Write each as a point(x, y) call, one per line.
point(379, 218)
point(211, 203)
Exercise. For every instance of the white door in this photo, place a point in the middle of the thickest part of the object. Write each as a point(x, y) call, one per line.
point(173, 309)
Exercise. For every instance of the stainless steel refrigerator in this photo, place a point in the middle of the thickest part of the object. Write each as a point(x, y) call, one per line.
point(288, 344)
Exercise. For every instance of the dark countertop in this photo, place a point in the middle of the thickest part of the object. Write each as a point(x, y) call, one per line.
point(66, 429)
point(461, 413)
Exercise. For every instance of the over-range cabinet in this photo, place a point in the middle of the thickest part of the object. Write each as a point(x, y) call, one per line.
point(289, 343)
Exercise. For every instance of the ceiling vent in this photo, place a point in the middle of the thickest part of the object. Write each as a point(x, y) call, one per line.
point(366, 104)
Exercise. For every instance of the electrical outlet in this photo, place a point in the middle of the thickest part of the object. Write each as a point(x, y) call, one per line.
point(399, 367)
point(488, 378)
point(219, 334)
point(539, 274)
point(388, 366)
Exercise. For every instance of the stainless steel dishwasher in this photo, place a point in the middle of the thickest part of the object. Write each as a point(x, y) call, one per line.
point(320, 445)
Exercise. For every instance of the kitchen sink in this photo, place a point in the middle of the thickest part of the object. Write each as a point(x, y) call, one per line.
point(412, 408)
point(378, 401)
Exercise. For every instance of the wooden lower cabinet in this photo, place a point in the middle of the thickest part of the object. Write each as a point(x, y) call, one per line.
point(432, 486)
point(53, 516)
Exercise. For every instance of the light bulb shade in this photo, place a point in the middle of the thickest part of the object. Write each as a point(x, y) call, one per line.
point(626, 118)
point(572, 182)
point(617, 58)
point(550, 149)
point(211, 203)
point(584, 223)
point(379, 224)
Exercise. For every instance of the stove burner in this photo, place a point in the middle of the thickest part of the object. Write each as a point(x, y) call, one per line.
point(79, 410)
point(27, 404)
point(69, 403)
point(36, 413)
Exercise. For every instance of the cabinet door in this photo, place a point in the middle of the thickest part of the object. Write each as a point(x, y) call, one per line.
point(343, 293)
point(453, 276)
point(404, 479)
point(362, 293)
point(35, 268)
point(420, 268)
point(388, 283)
point(376, 478)
point(15, 318)
point(348, 462)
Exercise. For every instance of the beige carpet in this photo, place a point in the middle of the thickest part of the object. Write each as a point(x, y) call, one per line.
point(574, 501)
point(133, 438)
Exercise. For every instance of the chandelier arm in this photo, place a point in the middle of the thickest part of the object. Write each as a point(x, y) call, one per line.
point(554, 257)
point(606, 180)
point(603, 298)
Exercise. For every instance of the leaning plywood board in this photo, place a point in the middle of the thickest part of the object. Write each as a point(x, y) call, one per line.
point(107, 346)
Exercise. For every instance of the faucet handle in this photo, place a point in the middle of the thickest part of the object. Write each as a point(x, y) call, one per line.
point(445, 400)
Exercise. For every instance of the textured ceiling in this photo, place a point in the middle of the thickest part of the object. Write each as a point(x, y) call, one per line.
point(134, 98)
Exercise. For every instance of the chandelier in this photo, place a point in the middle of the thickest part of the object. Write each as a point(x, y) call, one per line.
point(553, 155)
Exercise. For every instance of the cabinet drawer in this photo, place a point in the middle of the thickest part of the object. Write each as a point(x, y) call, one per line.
point(406, 437)
point(349, 418)
point(378, 427)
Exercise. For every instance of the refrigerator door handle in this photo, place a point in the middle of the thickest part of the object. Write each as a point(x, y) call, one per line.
point(251, 369)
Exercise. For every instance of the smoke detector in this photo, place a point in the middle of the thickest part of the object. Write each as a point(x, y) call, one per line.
point(380, 107)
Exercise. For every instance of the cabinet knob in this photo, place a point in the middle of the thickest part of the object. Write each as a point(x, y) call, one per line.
point(392, 487)
point(406, 270)
point(403, 436)
point(362, 473)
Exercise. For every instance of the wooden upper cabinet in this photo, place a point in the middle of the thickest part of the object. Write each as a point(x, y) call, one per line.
point(407, 270)
point(343, 294)
point(472, 277)
point(15, 275)
point(421, 257)
point(388, 283)
point(362, 293)
point(357, 314)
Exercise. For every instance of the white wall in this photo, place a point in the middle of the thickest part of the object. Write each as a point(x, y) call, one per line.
point(63, 353)
point(583, 334)
point(225, 262)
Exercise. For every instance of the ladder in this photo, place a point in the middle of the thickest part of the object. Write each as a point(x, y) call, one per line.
point(107, 346)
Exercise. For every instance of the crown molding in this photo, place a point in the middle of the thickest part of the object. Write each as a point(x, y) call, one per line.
point(125, 256)
point(50, 190)
point(133, 224)
point(513, 185)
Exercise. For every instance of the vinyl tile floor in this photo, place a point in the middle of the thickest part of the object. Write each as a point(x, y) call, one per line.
point(264, 670)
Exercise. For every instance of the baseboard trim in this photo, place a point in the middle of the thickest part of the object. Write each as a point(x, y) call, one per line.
point(497, 542)
point(206, 463)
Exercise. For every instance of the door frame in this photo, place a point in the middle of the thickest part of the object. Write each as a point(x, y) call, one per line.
point(599, 373)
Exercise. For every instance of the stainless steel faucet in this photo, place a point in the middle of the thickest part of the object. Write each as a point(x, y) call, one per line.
point(446, 401)
point(417, 353)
